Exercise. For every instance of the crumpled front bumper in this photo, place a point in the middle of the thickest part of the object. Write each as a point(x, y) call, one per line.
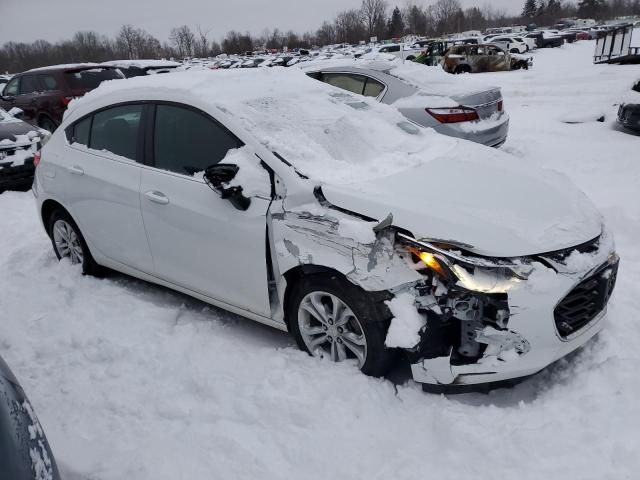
point(532, 339)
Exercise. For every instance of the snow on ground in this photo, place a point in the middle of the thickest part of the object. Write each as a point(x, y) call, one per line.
point(133, 381)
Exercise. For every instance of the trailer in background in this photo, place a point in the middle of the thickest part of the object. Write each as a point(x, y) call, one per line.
point(615, 46)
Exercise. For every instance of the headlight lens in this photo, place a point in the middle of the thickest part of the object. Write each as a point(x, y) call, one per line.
point(487, 280)
point(476, 274)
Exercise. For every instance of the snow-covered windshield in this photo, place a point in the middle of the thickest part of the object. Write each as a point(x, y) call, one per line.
point(327, 134)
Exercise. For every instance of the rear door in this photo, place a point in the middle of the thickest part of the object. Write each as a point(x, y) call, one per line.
point(100, 181)
point(199, 241)
point(52, 99)
point(28, 96)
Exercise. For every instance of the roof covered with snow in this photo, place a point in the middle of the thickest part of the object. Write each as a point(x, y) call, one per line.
point(66, 66)
point(142, 63)
point(328, 134)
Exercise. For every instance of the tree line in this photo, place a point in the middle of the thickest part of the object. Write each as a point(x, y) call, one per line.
point(374, 18)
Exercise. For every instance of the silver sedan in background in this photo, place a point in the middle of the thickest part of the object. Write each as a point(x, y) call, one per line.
point(476, 116)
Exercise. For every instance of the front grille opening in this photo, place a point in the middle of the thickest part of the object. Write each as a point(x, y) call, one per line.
point(585, 301)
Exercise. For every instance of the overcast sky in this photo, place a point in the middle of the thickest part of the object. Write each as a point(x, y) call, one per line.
point(28, 20)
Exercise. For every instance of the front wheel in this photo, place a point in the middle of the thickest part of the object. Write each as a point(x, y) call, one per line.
point(69, 243)
point(330, 317)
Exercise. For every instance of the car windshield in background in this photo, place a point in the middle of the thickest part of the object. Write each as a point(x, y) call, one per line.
point(90, 79)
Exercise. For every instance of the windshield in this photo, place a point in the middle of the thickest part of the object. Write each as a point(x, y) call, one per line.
point(90, 79)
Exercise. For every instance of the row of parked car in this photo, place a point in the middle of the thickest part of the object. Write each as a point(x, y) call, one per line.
point(41, 96)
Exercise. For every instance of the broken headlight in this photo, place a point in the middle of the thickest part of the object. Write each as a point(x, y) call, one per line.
point(478, 274)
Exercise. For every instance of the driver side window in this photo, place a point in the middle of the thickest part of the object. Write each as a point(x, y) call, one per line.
point(11, 90)
point(187, 141)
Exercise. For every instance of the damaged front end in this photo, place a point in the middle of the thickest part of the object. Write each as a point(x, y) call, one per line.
point(462, 319)
point(490, 320)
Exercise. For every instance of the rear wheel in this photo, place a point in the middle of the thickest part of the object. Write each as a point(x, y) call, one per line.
point(330, 317)
point(69, 243)
point(462, 69)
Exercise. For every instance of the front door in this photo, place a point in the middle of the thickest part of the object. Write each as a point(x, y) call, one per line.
point(198, 240)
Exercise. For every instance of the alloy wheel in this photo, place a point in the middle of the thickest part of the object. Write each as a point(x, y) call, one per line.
point(67, 242)
point(329, 327)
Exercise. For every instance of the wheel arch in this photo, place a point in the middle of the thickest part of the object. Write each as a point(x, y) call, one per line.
point(295, 274)
point(48, 207)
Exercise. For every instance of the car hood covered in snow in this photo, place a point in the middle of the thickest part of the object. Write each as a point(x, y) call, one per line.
point(498, 209)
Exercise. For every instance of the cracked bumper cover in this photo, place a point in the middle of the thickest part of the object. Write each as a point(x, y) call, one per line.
point(531, 339)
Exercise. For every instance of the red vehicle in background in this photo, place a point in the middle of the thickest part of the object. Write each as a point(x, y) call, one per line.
point(44, 93)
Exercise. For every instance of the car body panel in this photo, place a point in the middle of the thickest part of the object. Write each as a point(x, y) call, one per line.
point(102, 192)
point(485, 213)
point(24, 449)
point(187, 235)
point(412, 101)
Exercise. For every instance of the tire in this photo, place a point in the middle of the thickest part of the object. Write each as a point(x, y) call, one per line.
point(64, 232)
point(410, 58)
point(46, 123)
point(460, 69)
point(361, 326)
point(515, 50)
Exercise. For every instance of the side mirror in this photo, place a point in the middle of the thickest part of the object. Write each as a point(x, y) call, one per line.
point(218, 177)
point(16, 112)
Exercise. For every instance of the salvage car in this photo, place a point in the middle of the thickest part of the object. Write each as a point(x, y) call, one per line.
point(476, 59)
point(43, 94)
point(19, 143)
point(329, 215)
point(25, 453)
point(476, 115)
point(629, 111)
point(546, 39)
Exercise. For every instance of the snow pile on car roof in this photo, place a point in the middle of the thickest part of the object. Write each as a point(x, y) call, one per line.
point(141, 63)
point(326, 133)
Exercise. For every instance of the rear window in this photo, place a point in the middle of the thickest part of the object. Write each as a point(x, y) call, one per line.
point(90, 79)
point(48, 82)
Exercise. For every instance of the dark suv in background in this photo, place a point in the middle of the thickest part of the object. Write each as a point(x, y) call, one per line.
point(44, 93)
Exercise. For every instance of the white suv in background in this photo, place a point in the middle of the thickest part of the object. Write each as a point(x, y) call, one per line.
point(329, 215)
point(402, 51)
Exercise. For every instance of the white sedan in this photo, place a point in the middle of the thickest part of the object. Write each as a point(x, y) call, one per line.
point(303, 207)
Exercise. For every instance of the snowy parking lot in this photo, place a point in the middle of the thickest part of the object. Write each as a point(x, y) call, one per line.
point(133, 381)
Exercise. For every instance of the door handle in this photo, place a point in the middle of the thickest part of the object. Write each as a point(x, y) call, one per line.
point(76, 170)
point(157, 197)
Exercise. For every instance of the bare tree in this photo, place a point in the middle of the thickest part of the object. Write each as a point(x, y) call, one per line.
point(126, 41)
point(202, 43)
point(326, 34)
point(184, 40)
point(374, 13)
point(349, 27)
point(447, 14)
